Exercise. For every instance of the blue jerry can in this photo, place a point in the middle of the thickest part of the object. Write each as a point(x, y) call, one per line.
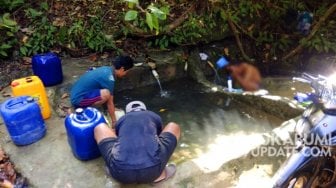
point(23, 120)
point(80, 130)
point(48, 68)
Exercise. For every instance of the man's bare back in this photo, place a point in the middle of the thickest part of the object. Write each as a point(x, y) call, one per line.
point(246, 75)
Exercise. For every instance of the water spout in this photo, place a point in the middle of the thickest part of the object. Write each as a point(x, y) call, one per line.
point(157, 77)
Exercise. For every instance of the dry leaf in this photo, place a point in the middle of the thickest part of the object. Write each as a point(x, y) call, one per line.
point(58, 5)
point(65, 95)
point(27, 60)
point(4, 94)
point(2, 155)
point(59, 22)
point(104, 56)
point(226, 51)
point(25, 39)
point(250, 28)
point(93, 57)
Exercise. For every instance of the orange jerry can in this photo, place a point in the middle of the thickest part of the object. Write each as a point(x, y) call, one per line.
point(32, 86)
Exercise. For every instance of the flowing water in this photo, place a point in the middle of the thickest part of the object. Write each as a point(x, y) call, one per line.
point(156, 76)
point(205, 118)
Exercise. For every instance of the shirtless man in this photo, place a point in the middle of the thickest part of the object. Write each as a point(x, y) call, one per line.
point(246, 75)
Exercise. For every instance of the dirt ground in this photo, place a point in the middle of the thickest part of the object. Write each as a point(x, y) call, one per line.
point(9, 177)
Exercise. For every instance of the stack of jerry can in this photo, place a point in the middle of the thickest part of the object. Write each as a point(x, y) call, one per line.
point(32, 86)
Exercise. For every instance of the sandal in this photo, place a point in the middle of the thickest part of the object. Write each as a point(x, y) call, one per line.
point(170, 170)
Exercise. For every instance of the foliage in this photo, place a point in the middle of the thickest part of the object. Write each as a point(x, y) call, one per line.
point(41, 35)
point(95, 39)
point(191, 32)
point(256, 21)
point(10, 4)
point(75, 35)
point(91, 35)
point(80, 34)
point(8, 29)
point(264, 28)
point(152, 15)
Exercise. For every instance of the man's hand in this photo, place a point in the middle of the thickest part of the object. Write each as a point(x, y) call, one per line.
point(113, 124)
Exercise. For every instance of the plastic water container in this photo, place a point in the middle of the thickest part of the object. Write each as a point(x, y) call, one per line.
point(301, 97)
point(32, 86)
point(222, 62)
point(48, 68)
point(80, 130)
point(23, 120)
point(229, 83)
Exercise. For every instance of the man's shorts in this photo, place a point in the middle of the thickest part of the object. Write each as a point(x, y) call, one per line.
point(90, 98)
point(167, 143)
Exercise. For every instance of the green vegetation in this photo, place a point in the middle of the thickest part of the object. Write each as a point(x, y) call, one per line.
point(266, 30)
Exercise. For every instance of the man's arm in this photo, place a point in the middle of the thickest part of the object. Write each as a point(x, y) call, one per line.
point(111, 110)
point(158, 122)
point(237, 74)
point(102, 131)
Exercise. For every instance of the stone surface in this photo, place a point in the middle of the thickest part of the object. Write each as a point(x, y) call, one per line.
point(50, 163)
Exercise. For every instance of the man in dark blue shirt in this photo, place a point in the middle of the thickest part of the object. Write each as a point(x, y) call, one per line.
point(138, 150)
point(96, 87)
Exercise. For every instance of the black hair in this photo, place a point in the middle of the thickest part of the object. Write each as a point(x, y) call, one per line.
point(123, 61)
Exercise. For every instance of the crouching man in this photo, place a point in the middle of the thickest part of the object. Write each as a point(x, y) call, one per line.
point(138, 149)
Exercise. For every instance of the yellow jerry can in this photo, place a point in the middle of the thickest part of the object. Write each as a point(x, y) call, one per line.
point(32, 86)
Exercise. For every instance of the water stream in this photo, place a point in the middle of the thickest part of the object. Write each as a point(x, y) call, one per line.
point(157, 77)
point(204, 118)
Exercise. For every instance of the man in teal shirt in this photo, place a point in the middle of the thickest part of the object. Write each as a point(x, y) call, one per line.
point(96, 87)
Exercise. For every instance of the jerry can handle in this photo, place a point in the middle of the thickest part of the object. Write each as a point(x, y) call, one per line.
point(18, 101)
point(29, 79)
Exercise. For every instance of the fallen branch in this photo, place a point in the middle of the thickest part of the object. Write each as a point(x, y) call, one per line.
point(181, 19)
point(245, 32)
point(316, 27)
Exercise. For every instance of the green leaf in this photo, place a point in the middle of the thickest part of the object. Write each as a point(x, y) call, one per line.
point(149, 20)
point(131, 15)
point(44, 6)
point(7, 21)
point(157, 12)
point(23, 50)
point(132, 1)
point(3, 53)
point(5, 46)
point(33, 13)
point(165, 10)
point(166, 43)
point(10, 34)
point(90, 44)
point(155, 23)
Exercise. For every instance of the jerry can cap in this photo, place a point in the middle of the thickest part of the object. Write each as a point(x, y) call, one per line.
point(14, 84)
point(30, 99)
point(79, 110)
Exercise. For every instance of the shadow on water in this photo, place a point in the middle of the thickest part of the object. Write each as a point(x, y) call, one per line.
point(203, 117)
